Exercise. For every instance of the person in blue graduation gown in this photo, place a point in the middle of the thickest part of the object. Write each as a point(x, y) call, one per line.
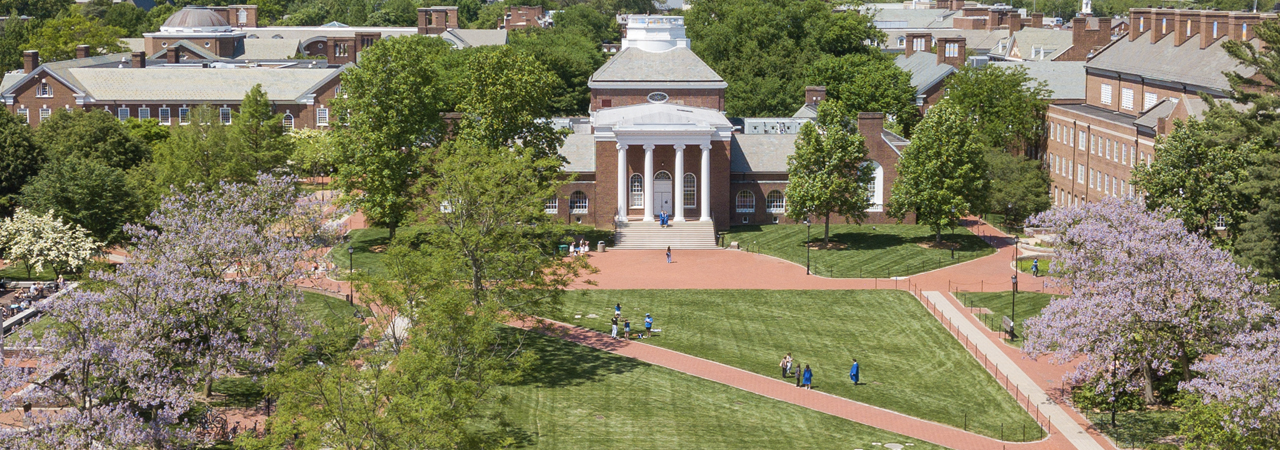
point(853, 371)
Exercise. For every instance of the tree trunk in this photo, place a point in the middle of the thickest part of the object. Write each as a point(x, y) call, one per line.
point(25, 263)
point(826, 232)
point(392, 229)
point(937, 236)
point(1185, 360)
point(1148, 392)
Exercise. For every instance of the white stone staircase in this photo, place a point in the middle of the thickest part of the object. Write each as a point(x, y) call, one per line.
point(636, 235)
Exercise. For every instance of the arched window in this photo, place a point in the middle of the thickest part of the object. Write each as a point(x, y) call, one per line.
point(690, 191)
point(578, 202)
point(875, 192)
point(662, 175)
point(288, 121)
point(551, 206)
point(775, 202)
point(746, 202)
point(637, 191)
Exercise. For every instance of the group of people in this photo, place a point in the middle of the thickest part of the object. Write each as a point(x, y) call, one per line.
point(804, 378)
point(626, 324)
point(579, 247)
point(25, 297)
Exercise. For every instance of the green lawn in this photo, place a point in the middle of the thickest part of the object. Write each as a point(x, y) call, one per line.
point(582, 398)
point(909, 362)
point(1137, 429)
point(877, 251)
point(997, 220)
point(1001, 304)
point(369, 243)
point(18, 272)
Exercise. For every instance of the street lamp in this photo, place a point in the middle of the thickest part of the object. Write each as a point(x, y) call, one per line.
point(807, 227)
point(1013, 303)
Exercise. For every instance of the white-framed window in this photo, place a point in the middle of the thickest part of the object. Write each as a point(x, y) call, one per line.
point(288, 121)
point(24, 114)
point(224, 114)
point(1080, 173)
point(1108, 148)
point(322, 117)
point(45, 113)
point(184, 115)
point(1149, 100)
point(1093, 145)
point(1106, 184)
point(1220, 223)
point(775, 202)
point(745, 202)
point(636, 183)
point(1188, 27)
point(1244, 31)
point(578, 202)
point(951, 50)
point(1215, 30)
point(690, 191)
point(1083, 140)
point(165, 119)
point(1133, 154)
point(44, 90)
point(551, 206)
point(122, 113)
point(144, 113)
point(1126, 98)
point(1105, 91)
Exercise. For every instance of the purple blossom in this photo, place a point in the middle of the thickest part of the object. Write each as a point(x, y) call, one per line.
point(1246, 377)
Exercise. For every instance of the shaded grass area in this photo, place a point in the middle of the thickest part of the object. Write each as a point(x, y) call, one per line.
point(1001, 305)
point(866, 251)
point(909, 362)
point(997, 220)
point(367, 257)
point(582, 398)
point(1137, 429)
point(17, 271)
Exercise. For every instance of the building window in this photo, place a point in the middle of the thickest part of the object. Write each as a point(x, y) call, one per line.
point(144, 113)
point(340, 50)
point(288, 121)
point(902, 41)
point(606, 103)
point(44, 90)
point(1082, 140)
point(952, 50)
point(1105, 90)
point(184, 115)
point(637, 191)
point(322, 117)
point(1126, 98)
point(224, 113)
point(745, 202)
point(551, 206)
point(1244, 31)
point(690, 191)
point(1106, 184)
point(775, 202)
point(1149, 100)
point(1215, 30)
point(122, 113)
point(44, 113)
point(164, 115)
point(24, 115)
point(578, 202)
point(1093, 145)
point(1080, 173)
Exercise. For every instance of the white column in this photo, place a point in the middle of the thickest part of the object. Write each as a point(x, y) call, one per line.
point(648, 182)
point(623, 188)
point(679, 190)
point(706, 182)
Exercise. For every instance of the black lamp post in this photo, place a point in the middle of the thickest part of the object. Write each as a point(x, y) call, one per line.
point(807, 227)
point(1013, 303)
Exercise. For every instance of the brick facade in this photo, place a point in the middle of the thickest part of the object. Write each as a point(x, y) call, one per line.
point(702, 98)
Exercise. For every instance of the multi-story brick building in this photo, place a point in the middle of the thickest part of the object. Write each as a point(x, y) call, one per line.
point(1134, 89)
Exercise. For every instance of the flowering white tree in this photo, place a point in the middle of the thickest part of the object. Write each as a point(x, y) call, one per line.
point(1142, 294)
point(42, 241)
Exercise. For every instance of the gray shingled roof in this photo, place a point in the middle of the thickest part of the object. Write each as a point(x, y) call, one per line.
point(476, 38)
point(913, 18)
point(1194, 66)
point(924, 69)
point(580, 150)
point(760, 152)
point(678, 65)
point(269, 49)
point(165, 84)
point(1065, 78)
point(979, 41)
point(1152, 117)
point(1029, 40)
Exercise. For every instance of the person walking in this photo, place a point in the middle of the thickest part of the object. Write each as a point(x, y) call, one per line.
point(785, 364)
point(1035, 267)
point(614, 333)
point(808, 377)
point(668, 254)
point(853, 372)
point(648, 326)
point(626, 328)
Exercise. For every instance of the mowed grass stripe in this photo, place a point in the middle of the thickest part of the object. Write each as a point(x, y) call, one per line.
point(870, 251)
point(911, 363)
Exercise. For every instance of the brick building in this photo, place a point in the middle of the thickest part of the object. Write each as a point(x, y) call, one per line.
point(1135, 88)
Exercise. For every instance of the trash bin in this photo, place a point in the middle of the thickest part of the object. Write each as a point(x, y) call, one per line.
point(600, 246)
point(564, 249)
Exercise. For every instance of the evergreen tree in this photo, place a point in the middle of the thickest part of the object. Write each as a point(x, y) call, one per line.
point(258, 133)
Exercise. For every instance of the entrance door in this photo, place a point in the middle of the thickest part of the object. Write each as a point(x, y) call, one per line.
point(662, 189)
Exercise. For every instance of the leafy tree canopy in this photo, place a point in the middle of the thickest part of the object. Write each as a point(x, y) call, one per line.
point(1019, 186)
point(39, 9)
point(867, 83)
point(588, 22)
point(571, 57)
point(17, 33)
point(942, 175)
point(20, 159)
point(57, 38)
point(95, 134)
point(1007, 105)
point(829, 174)
point(87, 193)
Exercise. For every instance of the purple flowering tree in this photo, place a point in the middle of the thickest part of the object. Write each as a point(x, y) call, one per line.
point(1141, 295)
point(1245, 377)
point(207, 289)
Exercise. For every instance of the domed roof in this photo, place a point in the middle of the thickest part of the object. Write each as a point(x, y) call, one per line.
point(195, 19)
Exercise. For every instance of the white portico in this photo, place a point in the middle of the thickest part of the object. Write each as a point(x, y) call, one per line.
point(654, 127)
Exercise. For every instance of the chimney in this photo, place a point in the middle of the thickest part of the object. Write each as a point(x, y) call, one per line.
point(1186, 25)
point(139, 60)
point(1037, 20)
point(918, 42)
point(1163, 22)
point(243, 16)
point(422, 21)
point(82, 51)
point(951, 51)
point(30, 60)
point(1015, 23)
point(870, 123)
point(813, 95)
point(1139, 22)
point(1213, 24)
point(171, 56)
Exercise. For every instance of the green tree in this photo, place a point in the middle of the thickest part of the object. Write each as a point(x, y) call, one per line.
point(14, 40)
point(39, 9)
point(149, 131)
point(156, 16)
point(57, 38)
point(125, 16)
point(942, 175)
point(202, 152)
point(258, 133)
point(45, 241)
point(1197, 181)
point(507, 99)
point(20, 159)
point(394, 13)
point(1019, 186)
point(87, 193)
point(314, 152)
point(584, 21)
point(828, 175)
point(572, 57)
point(867, 83)
point(94, 134)
point(393, 99)
point(1258, 242)
point(1007, 105)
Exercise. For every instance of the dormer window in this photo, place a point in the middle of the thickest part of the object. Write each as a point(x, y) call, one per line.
point(44, 90)
point(242, 16)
